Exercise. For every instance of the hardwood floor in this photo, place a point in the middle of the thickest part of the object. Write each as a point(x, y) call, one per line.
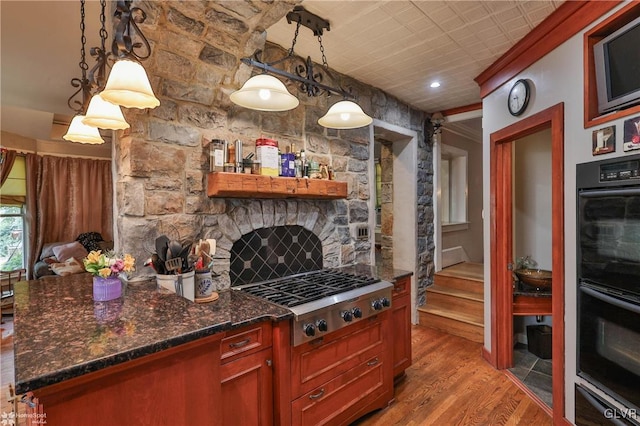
point(450, 384)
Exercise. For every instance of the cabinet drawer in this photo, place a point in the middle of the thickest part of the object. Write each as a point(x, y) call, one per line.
point(338, 400)
point(401, 286)
point(245, 340)
point(317, 362)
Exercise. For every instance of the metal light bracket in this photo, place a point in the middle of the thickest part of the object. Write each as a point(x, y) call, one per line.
point(311, 81)
point(309, 20)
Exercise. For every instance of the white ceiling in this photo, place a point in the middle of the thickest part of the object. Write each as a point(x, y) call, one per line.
point(398, 46)
point(403, 46)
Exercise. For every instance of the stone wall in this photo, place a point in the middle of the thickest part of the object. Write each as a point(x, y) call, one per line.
point(162, 161)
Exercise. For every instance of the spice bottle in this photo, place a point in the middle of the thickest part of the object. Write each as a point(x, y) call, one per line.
point(216, 155)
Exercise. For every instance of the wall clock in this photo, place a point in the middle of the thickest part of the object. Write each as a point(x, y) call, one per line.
point(519, 97)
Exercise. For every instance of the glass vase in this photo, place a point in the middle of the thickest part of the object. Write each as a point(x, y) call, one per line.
point(106, 288)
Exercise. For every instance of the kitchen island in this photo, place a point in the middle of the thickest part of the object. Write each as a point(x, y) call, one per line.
point(150, 357)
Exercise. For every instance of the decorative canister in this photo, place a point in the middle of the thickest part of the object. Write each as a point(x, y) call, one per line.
point(203, 284)
point(267, 155)
point(106, 288)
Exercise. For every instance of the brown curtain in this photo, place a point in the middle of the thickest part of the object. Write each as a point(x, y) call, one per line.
point(31, 219)
point(8, 158)
point(73, 196)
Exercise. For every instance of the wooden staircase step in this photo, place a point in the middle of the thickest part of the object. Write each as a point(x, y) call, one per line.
point(454, 300)
point(467, 270)
point(464, 284)
point(456, 292)
point(458, 324)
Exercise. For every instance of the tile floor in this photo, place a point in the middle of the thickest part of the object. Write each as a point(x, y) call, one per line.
point(534, 372)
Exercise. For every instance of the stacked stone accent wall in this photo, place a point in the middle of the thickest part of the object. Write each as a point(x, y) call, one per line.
point(162, 161)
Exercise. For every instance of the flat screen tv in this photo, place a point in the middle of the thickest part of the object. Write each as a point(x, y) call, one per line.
point(617, 66)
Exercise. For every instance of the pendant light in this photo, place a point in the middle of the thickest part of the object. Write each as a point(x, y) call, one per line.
point(128, 84)
point(264, 93)
point(101, 113)
point(345, 115)
point(104, 115)
point(79, 132)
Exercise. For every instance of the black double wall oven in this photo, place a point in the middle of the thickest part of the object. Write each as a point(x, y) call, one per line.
point(608, 272)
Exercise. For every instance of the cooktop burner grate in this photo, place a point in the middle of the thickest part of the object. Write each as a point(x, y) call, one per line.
point(303, 288)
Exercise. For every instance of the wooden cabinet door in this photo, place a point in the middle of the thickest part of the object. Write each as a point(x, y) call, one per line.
point(247, 393)
point(401, 325)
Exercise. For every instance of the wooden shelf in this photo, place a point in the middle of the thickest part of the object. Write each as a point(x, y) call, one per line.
point(240, 185)
point(530, 305)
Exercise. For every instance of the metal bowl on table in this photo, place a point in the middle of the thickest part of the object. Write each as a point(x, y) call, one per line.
point(538, 278)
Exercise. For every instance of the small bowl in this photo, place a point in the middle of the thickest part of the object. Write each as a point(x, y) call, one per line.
point(535, 277)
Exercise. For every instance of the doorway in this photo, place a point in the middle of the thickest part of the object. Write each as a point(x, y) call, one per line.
point(502, 145)
point(398, 204)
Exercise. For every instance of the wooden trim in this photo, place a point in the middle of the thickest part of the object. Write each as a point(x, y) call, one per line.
point(529, 393)
point(617, 20)
point(562, 24)
point(282, 373)
point(487, 356)
point(501, 290)
point(460, 110)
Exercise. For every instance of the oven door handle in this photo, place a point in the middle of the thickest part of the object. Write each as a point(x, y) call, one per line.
point(608, 193)
point(598, 406)
point(612, 300)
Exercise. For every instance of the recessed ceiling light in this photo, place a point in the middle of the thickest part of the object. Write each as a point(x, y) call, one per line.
point(435, 84)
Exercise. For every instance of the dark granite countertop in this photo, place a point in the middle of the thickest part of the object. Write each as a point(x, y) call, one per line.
point(60, 333)
point(382, 271)
point(522, 289)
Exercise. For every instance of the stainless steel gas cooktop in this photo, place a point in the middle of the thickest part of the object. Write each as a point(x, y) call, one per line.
point(324, 301)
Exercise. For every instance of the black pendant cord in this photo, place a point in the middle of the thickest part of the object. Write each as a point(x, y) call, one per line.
point(98, 74)
point(83, 83)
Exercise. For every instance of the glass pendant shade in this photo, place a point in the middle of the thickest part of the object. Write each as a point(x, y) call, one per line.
point(104, 115)
point(128, 86)
point(264, 93)
point(79, 132)
point(345, 115)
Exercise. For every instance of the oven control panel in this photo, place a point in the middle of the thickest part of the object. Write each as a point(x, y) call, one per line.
point(620, 171)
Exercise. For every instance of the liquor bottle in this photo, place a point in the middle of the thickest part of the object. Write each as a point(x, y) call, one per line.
point(298, 165)
point(305, 165)
point(291, 166)
point(282, 160)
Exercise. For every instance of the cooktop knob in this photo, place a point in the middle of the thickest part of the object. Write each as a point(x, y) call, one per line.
point(376, 305)
point(357, 312)
point(347, 316)
point(322, 325)
point(309, 330)
point(385, 302)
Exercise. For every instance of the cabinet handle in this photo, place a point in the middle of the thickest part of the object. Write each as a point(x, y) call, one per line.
point(373, 362)
point(317, 395)
point(239, 344)
point(269, 363)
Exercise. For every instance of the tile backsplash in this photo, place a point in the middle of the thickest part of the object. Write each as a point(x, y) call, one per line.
point(268, 253)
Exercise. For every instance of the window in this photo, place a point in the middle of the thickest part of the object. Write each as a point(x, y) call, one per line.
point(453, 188)
point(12, 217)
point(11, 237)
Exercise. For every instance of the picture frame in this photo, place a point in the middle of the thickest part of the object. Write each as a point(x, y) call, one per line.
point(631, 134)
point(603, 141)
